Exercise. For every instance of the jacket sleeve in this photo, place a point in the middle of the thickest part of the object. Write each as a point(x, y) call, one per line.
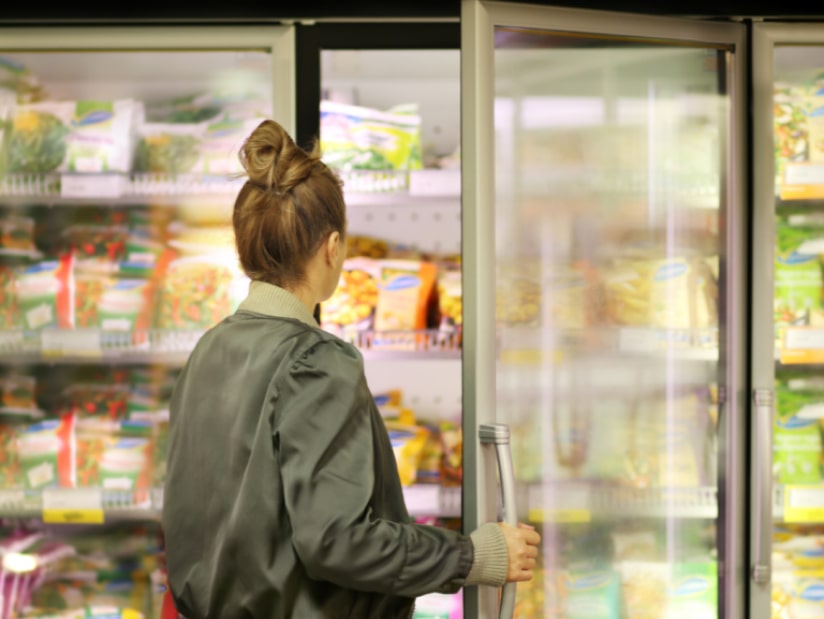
point(324, 439)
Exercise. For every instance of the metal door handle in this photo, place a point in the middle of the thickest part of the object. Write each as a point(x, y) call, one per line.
point(762, 551)
point(497, 434)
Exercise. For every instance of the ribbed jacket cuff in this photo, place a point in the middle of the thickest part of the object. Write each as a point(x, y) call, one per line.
point(491, 560)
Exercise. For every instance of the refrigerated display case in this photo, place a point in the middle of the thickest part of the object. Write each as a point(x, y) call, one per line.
point(641, 344)
point(603, 322)
point(118, 174)
point(787, 366)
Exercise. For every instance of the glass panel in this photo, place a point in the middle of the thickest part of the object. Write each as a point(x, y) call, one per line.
point(799, 326)
point(608, 242)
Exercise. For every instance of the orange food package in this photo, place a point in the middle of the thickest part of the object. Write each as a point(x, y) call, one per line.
point(406, 293)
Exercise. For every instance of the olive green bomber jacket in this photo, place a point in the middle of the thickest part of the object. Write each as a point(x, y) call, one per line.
point(282, 496)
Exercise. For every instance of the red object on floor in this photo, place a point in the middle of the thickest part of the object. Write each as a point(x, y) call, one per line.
point(168, 610)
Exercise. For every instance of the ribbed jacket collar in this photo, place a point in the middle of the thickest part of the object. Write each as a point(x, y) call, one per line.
point(270, 300)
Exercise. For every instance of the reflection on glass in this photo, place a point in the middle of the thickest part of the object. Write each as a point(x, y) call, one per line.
point(608, 210)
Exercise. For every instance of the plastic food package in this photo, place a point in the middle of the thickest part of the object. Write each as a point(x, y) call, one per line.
point(9, 311)
point(352, 305)
point(405, 293)
point(73, 136)
point(198, 291)
point(45, 292)
point(355, 137)
point(45, 453)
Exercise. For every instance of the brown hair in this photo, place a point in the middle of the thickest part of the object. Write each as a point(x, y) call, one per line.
point(291, 202)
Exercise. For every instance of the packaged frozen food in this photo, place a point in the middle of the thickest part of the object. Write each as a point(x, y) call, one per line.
point(408, 442)
point(451, 436)
point(450, 295)
point(222, 139)
point(357, 138)
point(790, 106)
point(591, 593)
point(797, 447)
point(126, 464)
point(11, 472)
point(198, 291)
point(168, 148)
point(9, 309)
point(45, 450)
point(352, 305)
point(518, 295)
point(126, 305)
point(798, 276)
point(73, 136)
point(17, 237)
point(36, 141)
point(366, 246)
point(406, 292)
point(18, 395)
point(672, 293)
point(45, 293)
point(102, 135)
point(96, 248)
point(88, 290)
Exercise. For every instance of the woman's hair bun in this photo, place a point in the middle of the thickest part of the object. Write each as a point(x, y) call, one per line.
point(273, 161)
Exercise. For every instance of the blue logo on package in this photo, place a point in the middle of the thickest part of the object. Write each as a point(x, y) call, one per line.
point(93, 118)
point(796, 258)
point(692, 586)
point(597, 580)
point(403, 282)
point(812, 592)
point(670, 271)
point(795, 423)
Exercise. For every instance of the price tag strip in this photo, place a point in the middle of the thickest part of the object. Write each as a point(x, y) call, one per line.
point(802, 345)
point(804, 504)
point(71, 342)
point(92, 185)
point(73, 506)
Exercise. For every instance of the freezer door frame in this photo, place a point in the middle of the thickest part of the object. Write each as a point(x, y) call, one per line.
point(480, 504)
point(278, 40)
point(765, 37)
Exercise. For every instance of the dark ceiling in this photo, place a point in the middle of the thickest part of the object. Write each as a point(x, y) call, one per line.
point(245, 11)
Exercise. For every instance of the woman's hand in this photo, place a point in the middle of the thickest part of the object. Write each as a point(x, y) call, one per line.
point(522, 544)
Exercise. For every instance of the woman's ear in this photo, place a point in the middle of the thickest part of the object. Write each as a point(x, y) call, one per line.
point(333, 246)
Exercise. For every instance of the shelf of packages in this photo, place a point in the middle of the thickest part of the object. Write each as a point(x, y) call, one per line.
point(798, 503)
point(690, 190)
point(801, 346)
point(172, 347)
point(99, 505)
point(362, 187)
point(81, 505)
point(527, 344)
point(112, 189)
point(584, 502)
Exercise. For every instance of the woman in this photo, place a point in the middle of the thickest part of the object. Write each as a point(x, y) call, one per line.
point(282, 496)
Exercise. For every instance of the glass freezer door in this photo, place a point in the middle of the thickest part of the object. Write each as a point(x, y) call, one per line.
point(788, 63)
point(601, 239)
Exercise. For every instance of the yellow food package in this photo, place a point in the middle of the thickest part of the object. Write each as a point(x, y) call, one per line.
point(672, 293)
point(352, 305)
point(408, 442)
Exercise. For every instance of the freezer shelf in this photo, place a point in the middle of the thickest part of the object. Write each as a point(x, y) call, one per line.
point(585, 502)
point(81, 505)
point(90, 505)
point(174, 346)
point(798, 503)
point(525, 344)
point(21, 189)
